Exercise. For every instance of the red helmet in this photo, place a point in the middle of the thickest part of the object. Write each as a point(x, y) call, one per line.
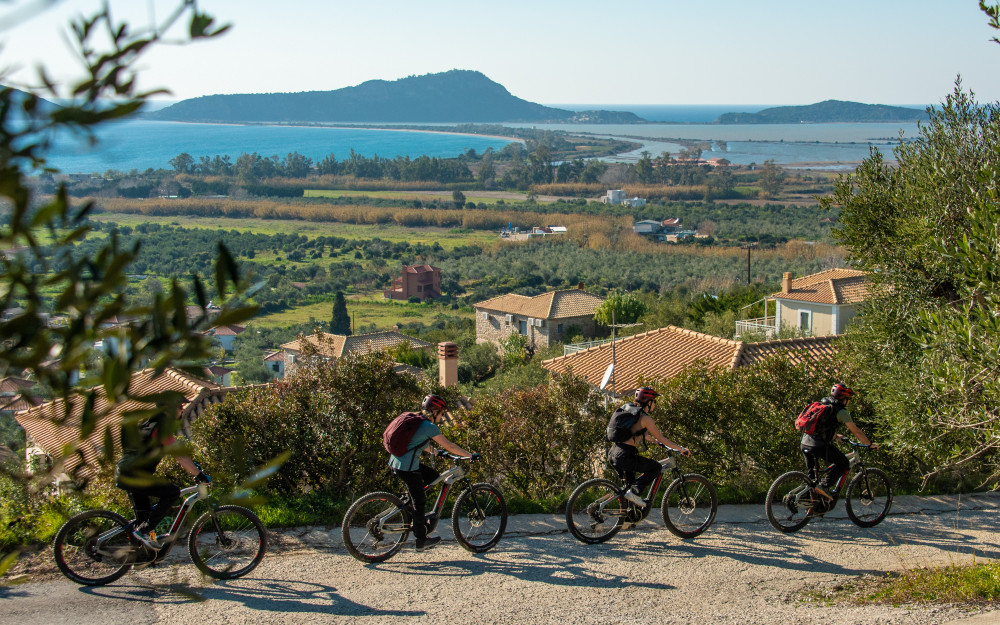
point(433, 402)
point(644, 395)
point(839, 391)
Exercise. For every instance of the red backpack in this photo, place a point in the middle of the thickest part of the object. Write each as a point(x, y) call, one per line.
point(811, 416)
point(397, 437)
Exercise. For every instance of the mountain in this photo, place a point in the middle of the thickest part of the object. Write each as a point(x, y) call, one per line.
point(455, 96)
point(825, 112)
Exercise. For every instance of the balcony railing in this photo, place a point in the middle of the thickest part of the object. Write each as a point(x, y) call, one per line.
point(760, 325)
point(579, 347)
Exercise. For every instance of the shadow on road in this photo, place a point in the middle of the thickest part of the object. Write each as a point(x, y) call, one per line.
point(264, 595)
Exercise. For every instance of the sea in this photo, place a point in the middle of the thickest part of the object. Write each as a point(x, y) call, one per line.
point(142, 144)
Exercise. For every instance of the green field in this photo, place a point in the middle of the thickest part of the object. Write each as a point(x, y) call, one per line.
point(364, 310)
point(448, 239)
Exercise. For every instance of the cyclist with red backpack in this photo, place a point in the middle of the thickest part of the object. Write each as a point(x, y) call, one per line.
point(404, 457)
point(629, 424)
point(819, 432)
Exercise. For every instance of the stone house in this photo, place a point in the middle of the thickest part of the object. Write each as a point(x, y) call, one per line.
point(544, 319)
point(334, 346)
point(422, 281)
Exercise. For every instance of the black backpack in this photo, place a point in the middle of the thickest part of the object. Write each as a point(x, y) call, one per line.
point(620, 425)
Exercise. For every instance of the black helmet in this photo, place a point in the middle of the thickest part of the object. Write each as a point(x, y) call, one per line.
point(644, 395)
point(841, 392)
point(433, 403)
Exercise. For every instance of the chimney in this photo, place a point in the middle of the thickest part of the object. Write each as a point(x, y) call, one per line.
point(448, 364)
point(786, 282)
point(580, 286)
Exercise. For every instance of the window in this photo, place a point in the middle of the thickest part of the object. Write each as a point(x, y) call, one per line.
point(805, 321)
point(522, 327)
point(559, 329)
point(275, 367)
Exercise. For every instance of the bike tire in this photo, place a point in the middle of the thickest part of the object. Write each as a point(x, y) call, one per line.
point(81, 559)
point(869, 497)
point(689, 505)
point(479, 517)
point(788, 502)
point(365, 523)
point(595, 512)
point(227, 543)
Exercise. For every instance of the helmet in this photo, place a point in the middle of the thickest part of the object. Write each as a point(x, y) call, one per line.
point(433, 403)
point(644, 395)
point(839, 391)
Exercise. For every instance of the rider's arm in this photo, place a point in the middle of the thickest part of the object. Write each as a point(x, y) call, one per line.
point(856, 431)
point(186, 463)
point(652, 431)
point(441, 440)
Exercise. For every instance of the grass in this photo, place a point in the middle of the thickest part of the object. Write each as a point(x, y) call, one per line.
point(364, 310)
point(972, 583)
point(447, 238)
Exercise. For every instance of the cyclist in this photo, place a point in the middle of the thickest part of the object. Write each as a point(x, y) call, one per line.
point(624, 456)
point(819, 444)
point(142, 450)
point(415, 474)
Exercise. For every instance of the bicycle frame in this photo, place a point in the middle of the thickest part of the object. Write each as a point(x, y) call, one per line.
point(667, 464)
point(194, 494)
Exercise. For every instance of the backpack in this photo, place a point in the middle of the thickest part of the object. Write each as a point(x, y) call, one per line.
point(620, 425)
point(812, 416)
point(398, 435)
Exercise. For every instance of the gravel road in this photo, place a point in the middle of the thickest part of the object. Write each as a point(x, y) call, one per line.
point(739, 572)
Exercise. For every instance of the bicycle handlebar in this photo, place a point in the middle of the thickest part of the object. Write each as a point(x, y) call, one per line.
point(446, 454)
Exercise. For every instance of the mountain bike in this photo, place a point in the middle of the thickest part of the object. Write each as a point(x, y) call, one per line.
point(93, 548)
point(792, 500)
point(598, 509)
point(376, 526)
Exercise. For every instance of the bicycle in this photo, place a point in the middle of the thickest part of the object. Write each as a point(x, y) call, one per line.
point(92, 548)
point(377, 525)
point(792, 500)
point(598, 509)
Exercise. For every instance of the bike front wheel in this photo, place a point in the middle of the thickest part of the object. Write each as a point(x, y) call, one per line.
point(228, 542)
point(375, 527)
point(479, 517)
point(93, 549)
point(595, 512)
point(790, 502)
point(689, 505)
point(869, 497)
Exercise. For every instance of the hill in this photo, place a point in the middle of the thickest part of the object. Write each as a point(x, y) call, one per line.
point(455, 96)
point(828, 111)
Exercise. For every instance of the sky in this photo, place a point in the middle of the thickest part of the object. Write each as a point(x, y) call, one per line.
point(654, 52)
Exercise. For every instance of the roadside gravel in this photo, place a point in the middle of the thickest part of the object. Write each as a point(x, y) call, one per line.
point(741, 571)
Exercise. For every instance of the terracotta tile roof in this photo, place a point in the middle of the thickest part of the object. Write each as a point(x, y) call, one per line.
point(833, 286)
point(275, 356)
point(14, 385)
point(551, 305)
point(336, 345)
point(663, 353)
point(419, 268)
point(45, 425)
point(18, 403)
point(230, 330)
point(217, 370)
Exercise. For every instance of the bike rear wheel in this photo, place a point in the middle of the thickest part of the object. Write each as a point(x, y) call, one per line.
point(689, 505)
point(92, 549)
point(227, 543)
point(595, 512)
point(479, 517)
point(790, 502)
point(869, 497)
point(375, 527)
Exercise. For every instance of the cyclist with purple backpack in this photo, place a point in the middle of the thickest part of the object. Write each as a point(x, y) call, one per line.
point(819, 442)
point(407, 466)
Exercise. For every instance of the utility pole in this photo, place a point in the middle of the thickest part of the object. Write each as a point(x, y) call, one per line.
point(748, 247)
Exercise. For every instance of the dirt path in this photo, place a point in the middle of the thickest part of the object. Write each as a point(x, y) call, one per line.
point(741, 571)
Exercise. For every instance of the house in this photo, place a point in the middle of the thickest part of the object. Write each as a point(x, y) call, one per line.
point(226, 335)
point(334, 346)
point(614, 197)
point(544, 319)
point(421, 281)
point(218, 374)
point(647, 226)
point(14, 395)
point(274, 362)
point(664, 353)
point(49, 429)
point(672, 224)
point(636, 202)
point(820, 304)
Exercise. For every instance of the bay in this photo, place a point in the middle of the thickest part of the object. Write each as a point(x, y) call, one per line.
point(141, 144)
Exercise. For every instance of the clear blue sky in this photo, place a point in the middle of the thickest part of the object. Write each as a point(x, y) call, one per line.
point(574, 51)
